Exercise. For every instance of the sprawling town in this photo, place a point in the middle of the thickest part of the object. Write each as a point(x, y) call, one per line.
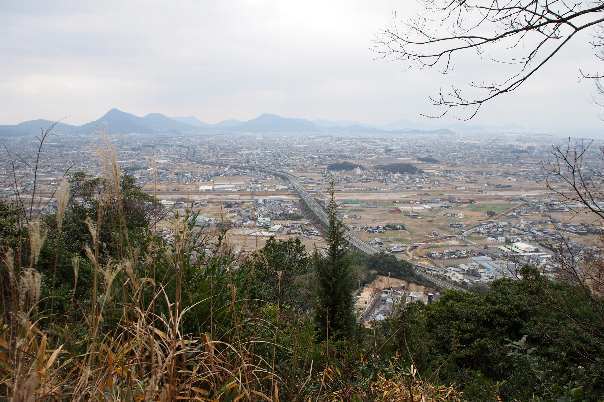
point(464, 209)
point(264, 200)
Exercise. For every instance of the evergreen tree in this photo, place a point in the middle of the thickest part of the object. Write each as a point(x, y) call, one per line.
point(334, 316)
point(277, 273)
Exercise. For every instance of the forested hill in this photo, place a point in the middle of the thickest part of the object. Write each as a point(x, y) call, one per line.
point(404, 168)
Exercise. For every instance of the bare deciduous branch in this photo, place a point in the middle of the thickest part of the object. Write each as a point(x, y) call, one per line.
point(529, 32)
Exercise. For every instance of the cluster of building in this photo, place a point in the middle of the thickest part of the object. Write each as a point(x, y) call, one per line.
point(482, 269)
point(383, 302)
point(202, 173)
point(383, 228)
point(452, 254)
point(503, 261)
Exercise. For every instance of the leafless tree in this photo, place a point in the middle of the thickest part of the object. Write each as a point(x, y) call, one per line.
point(15, 159)
point(574, 177)
point(575, 181)
point(579, 266)
point(525, 34)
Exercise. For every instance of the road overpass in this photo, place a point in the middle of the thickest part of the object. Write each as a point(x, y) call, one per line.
point(320, 214)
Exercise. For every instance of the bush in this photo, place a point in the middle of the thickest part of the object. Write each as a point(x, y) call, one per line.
point(519, 340)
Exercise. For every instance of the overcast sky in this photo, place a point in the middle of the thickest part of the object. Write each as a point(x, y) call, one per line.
point(236, 59)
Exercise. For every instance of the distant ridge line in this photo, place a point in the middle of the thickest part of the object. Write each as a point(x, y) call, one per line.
point(116, 121)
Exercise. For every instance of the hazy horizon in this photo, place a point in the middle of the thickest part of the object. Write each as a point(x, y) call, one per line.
point(217, 61)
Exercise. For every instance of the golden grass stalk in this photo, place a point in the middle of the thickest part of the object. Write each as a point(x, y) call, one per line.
point(93, 230)
point(30, 284)
point(62, 197)
point(9, 262)
point(109, 274)
point(75, 264)
point(110, 169)
point(37, 237)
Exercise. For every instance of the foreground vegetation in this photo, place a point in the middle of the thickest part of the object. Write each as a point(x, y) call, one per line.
point(97, 305)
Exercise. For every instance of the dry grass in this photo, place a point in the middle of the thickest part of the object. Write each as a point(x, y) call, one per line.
point(147, 359)
point(405, 386)
point(146, 356)
point(410, 388)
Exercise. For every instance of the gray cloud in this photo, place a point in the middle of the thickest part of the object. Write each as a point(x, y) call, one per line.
point(217, 60)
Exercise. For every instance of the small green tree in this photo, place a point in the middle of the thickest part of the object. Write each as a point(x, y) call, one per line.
point(334, 316)
point(278, 274)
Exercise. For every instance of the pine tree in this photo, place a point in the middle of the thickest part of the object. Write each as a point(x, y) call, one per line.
point(334, 312)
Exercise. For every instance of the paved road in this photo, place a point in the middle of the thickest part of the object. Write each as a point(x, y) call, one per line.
point(319, 212)
point(321, 215)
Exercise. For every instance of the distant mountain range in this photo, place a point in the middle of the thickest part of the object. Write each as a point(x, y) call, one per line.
point(116, 121)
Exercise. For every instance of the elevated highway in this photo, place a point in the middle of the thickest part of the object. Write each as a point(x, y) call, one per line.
point(320, 214)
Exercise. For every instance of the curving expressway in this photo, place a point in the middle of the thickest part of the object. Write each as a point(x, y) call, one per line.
point(321, 215)
point(319, 212)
